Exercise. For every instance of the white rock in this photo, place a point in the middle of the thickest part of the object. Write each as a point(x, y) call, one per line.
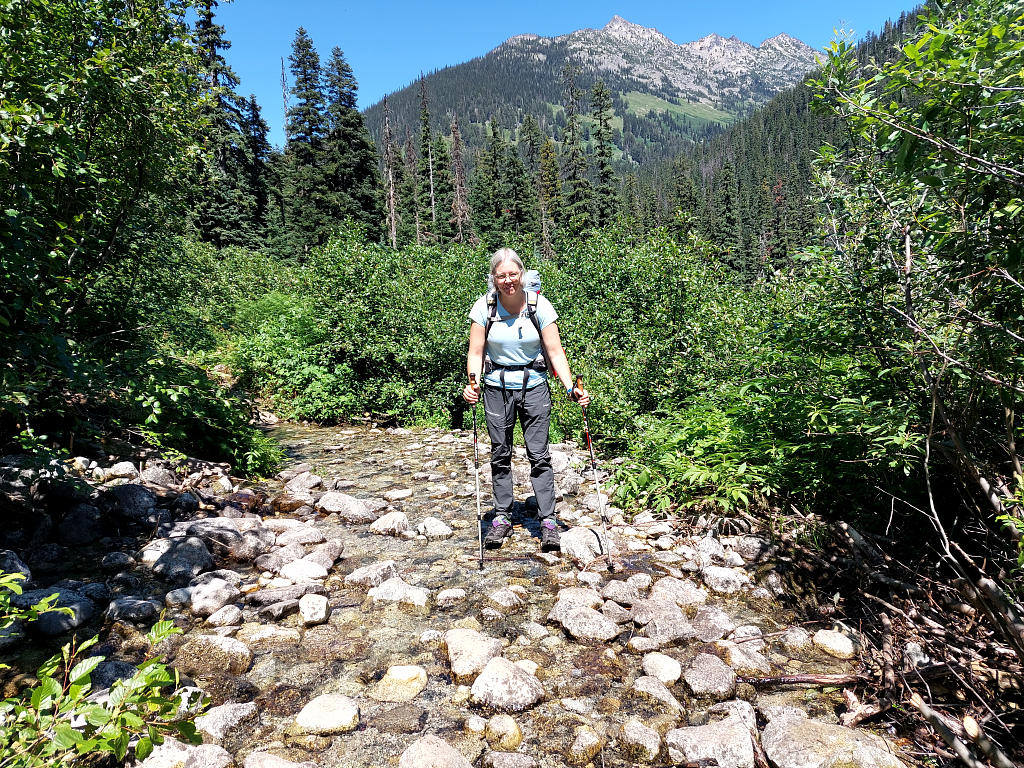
point(400, 683)
point(391, 524)
point(652, 689)
point(710, 676)
point(796, 639)
point(584, 545)
point(372, 575)
point(468, 652)
point(328, 714)
point(434, 529)
point(726, 742)
point(432, 752)
point(348, 508)
point(226, 616)
point(305, 534)
point(446, 598)
point(835, 643)
point(795, 742)
point(394, 590)
point(504, 686)
point(209, 597)
point(640, 743)
point(226, 722)
point(725, 581)
point(664, 668)
point(315, 609)
point(301, 571)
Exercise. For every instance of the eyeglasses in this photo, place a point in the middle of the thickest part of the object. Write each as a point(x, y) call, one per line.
point(508, 276)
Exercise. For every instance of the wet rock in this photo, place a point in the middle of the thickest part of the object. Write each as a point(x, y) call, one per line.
point(639, 743)
point(400, 683)
point(406, 718)
point(315, 609)
point(264, 637)
point(228, 724)
point(226, 616)
point(712, 623)
point(469, 652)
point(12, 635)
point(349, 509)
point(726, 581)
point(710, 676)
point(727, 742)
point(300, 571)
point(210, 597)
point(178, 598)
point(447, 598)
point(586, 745)
point(652, 689)
point(682, 592)
point(328, 714)
point(795, 742)
point(279, 610)
point(269, 760)
point(397, 494)
point(271, 596)
point(796, 639)
point(132, 609)
point(305, 534)
point(616, 612)
point(504, 686)
point(300, 485)
point(178, 560)
point(503, 733)
point(432, 752)
point(11, 563)
point(434, 529)
point(749, 636)
point(394, 590)
point(372, 575)
point(664, 668)
point(668, 628)
point(507, 600)
point(52, 622)
point(391, 524)
point(83, 524)
point(587, 625)
point(836, 644)
point(743, 659)
point(584, 545)
point(131, 501)
point(203, 654)
point(621, 592)
point(324, 643)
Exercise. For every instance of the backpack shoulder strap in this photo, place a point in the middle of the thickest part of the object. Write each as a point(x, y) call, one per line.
point(531, 308)
point(492, 311)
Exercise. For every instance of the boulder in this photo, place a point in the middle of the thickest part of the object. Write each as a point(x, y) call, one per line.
point(432, 752)
point(469, 652)
point(728, 743)
point(372, 575)
point(328, 714)
point(796, 742)
point(394, 590)
point(348, 508)
point(505, 686)
point(206, 654)
point(710, 676)
point(584, 545)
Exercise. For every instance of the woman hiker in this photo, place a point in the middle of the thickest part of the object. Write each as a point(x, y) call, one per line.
point(513, 342)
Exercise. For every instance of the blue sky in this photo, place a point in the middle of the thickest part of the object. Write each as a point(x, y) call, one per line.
point(389, 43)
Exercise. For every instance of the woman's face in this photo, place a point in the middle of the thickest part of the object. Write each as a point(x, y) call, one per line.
point(508, 278)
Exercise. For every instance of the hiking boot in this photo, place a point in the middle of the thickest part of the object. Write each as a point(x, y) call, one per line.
point(549, 538)
point(495, 536)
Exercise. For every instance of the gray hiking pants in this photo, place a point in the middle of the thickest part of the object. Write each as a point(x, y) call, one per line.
point(532, 407)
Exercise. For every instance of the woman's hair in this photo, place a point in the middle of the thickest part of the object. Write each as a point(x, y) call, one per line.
point(505, 254)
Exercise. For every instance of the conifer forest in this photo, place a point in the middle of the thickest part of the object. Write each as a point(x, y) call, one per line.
point(809, 320)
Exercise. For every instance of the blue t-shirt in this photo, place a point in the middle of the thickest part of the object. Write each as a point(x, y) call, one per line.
point(513, 340)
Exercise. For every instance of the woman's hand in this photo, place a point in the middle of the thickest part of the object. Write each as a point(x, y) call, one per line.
point(581, 396)
point(471, 394)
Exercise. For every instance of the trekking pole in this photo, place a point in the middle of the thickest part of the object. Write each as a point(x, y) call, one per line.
point(476, 476)
point(578, 384)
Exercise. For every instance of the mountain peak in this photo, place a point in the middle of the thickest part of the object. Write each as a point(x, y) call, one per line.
point(627, 30)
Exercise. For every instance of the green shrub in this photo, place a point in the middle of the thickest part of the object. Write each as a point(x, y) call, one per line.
point(59, 721)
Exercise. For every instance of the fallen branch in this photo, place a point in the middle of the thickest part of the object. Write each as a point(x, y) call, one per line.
point(940, 727)
point(984, 743)
point(805, 679)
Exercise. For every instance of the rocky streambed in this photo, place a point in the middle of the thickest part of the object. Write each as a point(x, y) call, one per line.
point(337, 616)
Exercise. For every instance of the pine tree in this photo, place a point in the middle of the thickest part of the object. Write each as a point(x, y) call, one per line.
point(549, 195)
point(530, 142)
point(258, 153)
point(391, 163)
point(410, 222)
point(307, 203)
point(349, 158)
point(460, 218)
point(443, 192)
point(576, 193)
point(484, 198)
point(226, 210)
point(605, 198)
point(683, 198)
point(727, 225)
point(427, 192)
